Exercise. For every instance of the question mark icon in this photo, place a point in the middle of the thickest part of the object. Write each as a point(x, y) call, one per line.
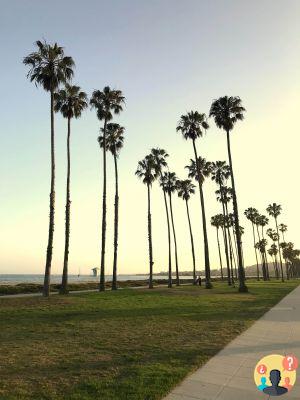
point(290, 363)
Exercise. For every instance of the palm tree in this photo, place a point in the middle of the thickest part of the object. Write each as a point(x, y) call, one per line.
point(261, 246)
point(274, 210)
point(147, 171)
point(224, 196)
point(290, 255)
point(184, 189)
point(70, 101)
point(160, 156)
point(168, 183)
point(217, 221)
point(251, 214)
point(226, 111)
point(114, 144)
point(283, 229)
point(273, 251)
point(192, 126)
point(271, 233)
point(220, 173)
point(199, 170)
point(106, 103)
point(49, 67)
point(262, 221)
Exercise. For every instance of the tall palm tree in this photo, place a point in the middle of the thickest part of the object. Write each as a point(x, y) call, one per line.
point(106, 103)
point(168, 183)
point(274, 210)
point(283, 229)
point(261, 246)
point(147, 172)
point(251, 214)
point(114, 144)
point(220, 172)
point(70, 101)
point(217, 221)
point(192, 126)
point(271, 233)
point(199, 170)
point(263, 221)
point(160, 156)
point(49, 68)
point(231, 225)
point(224, 196)
point(184, 189)
point(273, 251)
point(226, 111)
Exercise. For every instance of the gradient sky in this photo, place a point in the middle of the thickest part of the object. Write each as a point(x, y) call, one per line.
point(168, 57)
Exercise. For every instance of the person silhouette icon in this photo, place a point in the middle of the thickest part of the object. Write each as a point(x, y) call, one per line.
point(263, 384)
point(287, 383)
point(275, 389)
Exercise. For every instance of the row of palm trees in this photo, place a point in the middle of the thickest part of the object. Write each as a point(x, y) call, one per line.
point(51, 69)
point(279, 247)
point(225, 111)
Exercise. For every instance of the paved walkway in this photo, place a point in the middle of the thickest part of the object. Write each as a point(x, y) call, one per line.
point(229, 374)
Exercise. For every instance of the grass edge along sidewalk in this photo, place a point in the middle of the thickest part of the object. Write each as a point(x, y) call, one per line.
point(129, 344)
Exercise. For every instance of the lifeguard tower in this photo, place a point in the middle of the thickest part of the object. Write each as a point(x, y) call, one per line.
point(95, 271)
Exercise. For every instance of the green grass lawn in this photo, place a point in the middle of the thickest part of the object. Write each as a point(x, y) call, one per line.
point(129, 344)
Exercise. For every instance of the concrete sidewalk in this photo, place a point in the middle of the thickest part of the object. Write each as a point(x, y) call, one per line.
point(229, 374)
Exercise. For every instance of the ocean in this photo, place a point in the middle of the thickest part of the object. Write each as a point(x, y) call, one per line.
point(14, 279)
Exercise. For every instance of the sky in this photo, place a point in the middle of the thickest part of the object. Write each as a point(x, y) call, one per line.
point(168, 57)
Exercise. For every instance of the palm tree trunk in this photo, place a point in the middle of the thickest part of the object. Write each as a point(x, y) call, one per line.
point(261, 257)
point(116, 224)
point(103, 236)
point(192, 242)
point(169, 241)
point(266, 257)
point(208, 284)
point(175, 241)
point(150, 241)
point(277, 269)
point(64, 283)
point(280, 259)
point(257, 268)
point(242, 285)
point(229, 243)
point(225, 238)
point(46, 288)
point(233, 255)
point(220, 255)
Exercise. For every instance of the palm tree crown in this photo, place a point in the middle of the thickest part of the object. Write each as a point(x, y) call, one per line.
point(185, 188)
point(107, 102)
point(70, 101)
point(262, 220)
point(217, 220)
point(147, 170)
point(114, 138)
point(192, 125)
point(159, 156)
point(220, 172)
point(49, 67)
point(204, 168)
point(274, 210)
point(251, 214)
point(226, 111)
point(282, 228)
point(168, 182)
point(272, 234)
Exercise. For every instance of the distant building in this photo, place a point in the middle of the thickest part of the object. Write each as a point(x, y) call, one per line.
point(95, 271)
